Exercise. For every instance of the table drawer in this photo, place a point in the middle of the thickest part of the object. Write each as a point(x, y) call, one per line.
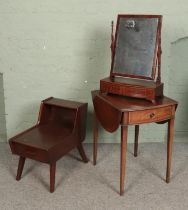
point(151, 115)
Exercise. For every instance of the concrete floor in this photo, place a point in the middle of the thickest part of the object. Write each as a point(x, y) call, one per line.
point(82, 186)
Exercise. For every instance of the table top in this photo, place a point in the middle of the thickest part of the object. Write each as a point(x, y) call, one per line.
point(63, 103)
point(123, 103)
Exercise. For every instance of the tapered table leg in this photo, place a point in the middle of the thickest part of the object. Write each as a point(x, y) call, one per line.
point(169, 148)
point(95, 138)
point(20, 168)
point(82, 153)
point(124, 131)
point(136, 140)
point(52, 176)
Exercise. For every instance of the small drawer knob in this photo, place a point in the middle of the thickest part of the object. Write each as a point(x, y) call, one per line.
point(152, 115)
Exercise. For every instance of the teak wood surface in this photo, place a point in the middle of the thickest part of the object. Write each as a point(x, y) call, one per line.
point(112, 111)
point(61, 127)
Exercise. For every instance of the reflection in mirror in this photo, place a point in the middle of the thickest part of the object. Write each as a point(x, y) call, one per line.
point(135, 47)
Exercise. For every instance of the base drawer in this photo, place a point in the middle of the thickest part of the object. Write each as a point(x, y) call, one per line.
point(29, 152)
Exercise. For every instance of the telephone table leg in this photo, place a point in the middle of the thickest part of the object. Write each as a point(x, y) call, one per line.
point(136, 140)
point(169, 148)
point(124, 131)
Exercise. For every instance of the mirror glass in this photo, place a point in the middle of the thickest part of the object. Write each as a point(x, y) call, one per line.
point(135, 46)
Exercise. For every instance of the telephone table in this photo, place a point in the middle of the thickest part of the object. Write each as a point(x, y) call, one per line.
point(113, 110)
point(61, 127)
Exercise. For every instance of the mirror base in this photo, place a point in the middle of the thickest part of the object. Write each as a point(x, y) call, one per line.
point(149, 91)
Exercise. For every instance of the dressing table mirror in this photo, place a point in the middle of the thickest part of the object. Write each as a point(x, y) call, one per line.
point(136, 58)
point(135, 72)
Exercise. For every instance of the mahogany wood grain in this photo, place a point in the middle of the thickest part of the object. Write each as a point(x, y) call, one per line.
point(82, 153)
point(95, 138)
point(169, 148)
point(124, 104)
point(20, 167)
point(141, 89)
point(61, 126)
point(132, 111)
point(124, 131)
point(150, 115)
point(159, 52)
point(52, 176)
point(109, 122)
point(136, 140)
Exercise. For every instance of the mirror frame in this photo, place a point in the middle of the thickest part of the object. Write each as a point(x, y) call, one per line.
point(157, 51)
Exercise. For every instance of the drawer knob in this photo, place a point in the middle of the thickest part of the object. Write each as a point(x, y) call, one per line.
point(152, 115)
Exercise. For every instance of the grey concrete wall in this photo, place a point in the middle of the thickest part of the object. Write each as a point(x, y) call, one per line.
point(178, 85)
point(61, 48)
point(2, 111)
